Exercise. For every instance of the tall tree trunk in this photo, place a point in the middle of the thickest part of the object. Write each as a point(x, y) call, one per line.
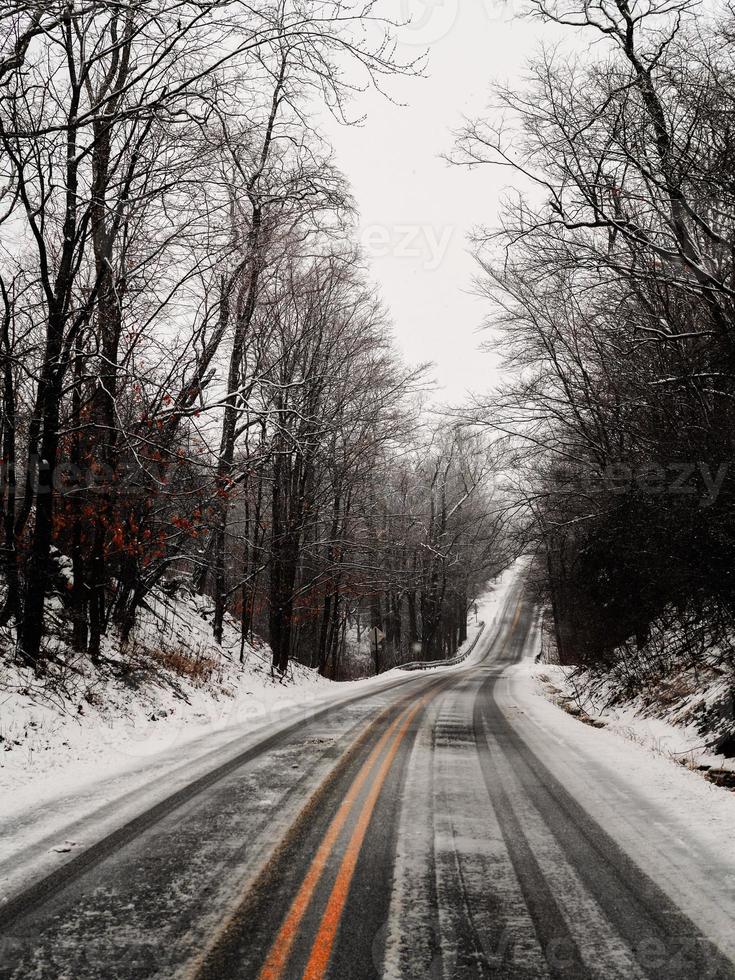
point(376, 622)
point(11, 606)
point(111, 290)
point(462, 617)
point(79, 585)
point(37, 578)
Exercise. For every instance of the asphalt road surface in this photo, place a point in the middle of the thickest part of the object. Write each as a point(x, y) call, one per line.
point(412, 833)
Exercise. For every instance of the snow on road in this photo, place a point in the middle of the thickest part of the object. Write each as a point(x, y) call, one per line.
point(78, 775)
point(677, 827)
point(481, 810)
point(674, 824)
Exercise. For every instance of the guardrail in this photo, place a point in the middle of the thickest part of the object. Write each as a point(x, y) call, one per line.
point(428, 664)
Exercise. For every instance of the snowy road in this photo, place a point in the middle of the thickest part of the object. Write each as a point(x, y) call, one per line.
point(449, 826)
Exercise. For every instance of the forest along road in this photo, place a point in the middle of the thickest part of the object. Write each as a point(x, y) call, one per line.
point(421, 832)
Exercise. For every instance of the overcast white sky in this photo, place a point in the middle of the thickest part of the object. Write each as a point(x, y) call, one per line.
point(416, 210)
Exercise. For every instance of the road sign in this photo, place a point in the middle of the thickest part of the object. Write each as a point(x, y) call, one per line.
point(376, 635)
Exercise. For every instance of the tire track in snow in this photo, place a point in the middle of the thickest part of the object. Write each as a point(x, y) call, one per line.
point(579, 857)
point(486, 926)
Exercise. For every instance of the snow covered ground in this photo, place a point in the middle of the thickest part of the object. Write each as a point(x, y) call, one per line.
point(171, 687)
point(667, 719)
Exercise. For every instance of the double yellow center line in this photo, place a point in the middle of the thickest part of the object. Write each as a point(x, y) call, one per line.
point(361, 798)
point(321, 950)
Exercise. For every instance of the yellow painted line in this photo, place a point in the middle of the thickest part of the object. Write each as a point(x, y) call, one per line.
point(283, 943)
point(321, 951)
point(195, 966)
point(324, 941)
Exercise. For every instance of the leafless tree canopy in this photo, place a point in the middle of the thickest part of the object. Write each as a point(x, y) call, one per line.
point(199, 385)
point(613, 275)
